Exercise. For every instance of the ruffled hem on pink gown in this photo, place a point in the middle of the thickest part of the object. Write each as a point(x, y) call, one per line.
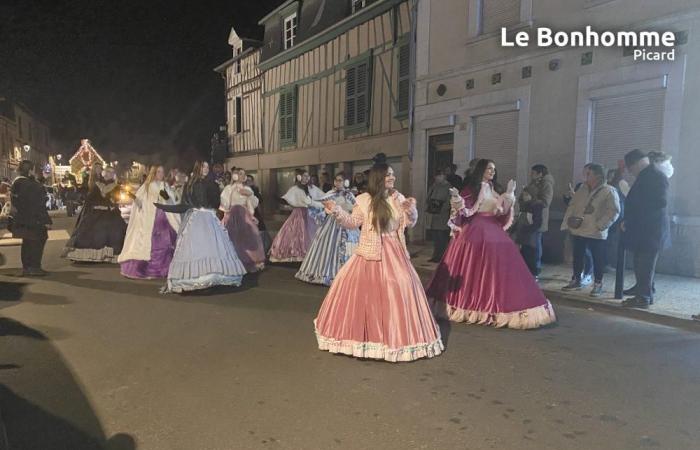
point(378, 309)
point(294, 238)
point(482, 279)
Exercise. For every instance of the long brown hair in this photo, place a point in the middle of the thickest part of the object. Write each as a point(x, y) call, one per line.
point(94, 174)
point(196, 175)
point(379, 206)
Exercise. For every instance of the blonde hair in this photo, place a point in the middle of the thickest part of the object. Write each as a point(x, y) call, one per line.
point(151, 176)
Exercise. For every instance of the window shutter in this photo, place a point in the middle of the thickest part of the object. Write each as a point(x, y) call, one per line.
point(362, 88)
point(621, 124)
point(357, 94)
point(496, 138)
point(404, 79)
point(350, 92)
point(499, 13)
point(288, 115)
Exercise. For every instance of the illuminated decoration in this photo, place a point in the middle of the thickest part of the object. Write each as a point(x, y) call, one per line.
point(85, 157)
point(27, 147)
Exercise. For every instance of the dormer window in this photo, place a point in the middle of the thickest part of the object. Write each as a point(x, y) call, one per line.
point(290, 30)
point(358, 5)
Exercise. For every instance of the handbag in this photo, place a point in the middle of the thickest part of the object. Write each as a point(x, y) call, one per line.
point(575, 222)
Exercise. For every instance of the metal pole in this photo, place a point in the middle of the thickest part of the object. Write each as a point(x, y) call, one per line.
point(620, 268)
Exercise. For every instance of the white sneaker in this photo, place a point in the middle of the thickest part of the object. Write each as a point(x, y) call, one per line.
point(587, 280)
point(597, 290)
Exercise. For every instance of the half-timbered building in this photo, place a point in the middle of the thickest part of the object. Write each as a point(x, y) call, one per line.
point(335, 90)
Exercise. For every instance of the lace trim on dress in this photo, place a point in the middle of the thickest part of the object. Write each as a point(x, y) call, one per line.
point(521, 320)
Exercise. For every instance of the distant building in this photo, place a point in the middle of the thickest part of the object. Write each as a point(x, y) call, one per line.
point(23, 135)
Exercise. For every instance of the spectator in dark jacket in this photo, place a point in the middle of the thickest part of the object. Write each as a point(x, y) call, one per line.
point(451, 176)
point(614, 177)
point(541, 189)
point(30, 220)
point(439, 214)
point(528, 234)
point(646, 227)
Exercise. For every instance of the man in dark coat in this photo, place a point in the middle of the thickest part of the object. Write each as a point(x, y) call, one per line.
point(646, 226)
point(30, 220)
point(451, 176)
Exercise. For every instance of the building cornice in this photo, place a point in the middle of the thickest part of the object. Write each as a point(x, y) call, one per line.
point(222, 67)
point(350, 22)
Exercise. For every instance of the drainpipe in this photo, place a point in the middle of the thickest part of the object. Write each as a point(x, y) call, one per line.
point(412, 77)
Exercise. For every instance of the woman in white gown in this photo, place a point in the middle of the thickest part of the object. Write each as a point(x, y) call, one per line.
point(150, 236)
point(238, 204)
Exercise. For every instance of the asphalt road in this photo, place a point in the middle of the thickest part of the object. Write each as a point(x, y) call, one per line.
point(90, 360)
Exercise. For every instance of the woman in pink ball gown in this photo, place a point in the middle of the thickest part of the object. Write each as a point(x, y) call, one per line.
point(376, 306)
point(482, 278)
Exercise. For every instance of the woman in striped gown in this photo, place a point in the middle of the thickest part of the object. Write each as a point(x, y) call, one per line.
point(333, 244)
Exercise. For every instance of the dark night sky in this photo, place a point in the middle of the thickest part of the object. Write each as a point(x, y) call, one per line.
point(133, 76)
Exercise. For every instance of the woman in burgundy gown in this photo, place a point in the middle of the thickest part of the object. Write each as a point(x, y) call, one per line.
point(482, 278)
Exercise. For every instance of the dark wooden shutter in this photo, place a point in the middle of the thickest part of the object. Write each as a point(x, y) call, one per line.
point(404, 79)
point(288, 114)
point(358, 79)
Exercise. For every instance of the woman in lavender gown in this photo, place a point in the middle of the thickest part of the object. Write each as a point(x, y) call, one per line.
point(294, 238)
point(150, 236)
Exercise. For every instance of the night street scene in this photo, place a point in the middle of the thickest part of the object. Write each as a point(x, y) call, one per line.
point(349, 224)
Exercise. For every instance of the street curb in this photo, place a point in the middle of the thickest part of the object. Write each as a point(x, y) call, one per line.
point(561, 298)
point(632, 313)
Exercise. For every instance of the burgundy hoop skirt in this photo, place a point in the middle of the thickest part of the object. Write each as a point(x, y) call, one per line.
point(244, 234)
point(483, 279)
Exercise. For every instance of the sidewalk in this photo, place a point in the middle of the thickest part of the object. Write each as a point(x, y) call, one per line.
point(677, 297)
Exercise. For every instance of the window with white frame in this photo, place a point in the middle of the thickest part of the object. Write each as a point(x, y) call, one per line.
point(290, 30)
point(358, 5)
point(495, 14)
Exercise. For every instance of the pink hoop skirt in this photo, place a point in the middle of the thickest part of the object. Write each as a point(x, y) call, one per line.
point(294, 238)
point(378, 309)
point(244, 234)
point(483, 279)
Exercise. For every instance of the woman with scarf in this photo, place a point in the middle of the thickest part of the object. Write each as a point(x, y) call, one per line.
point(238, 204)
point(294, 238)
